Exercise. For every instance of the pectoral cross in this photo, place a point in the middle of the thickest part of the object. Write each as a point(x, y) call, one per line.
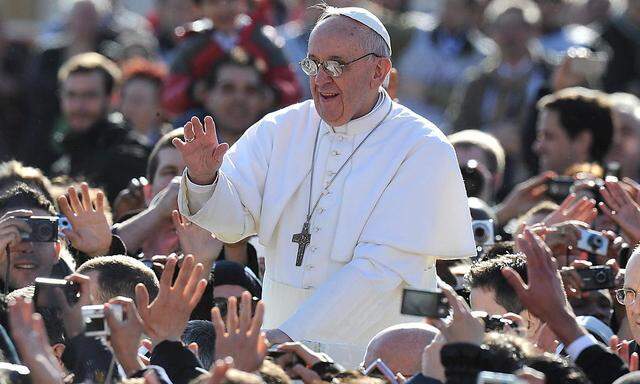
point(303, 239)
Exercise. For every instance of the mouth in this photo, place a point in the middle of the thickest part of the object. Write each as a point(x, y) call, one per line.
point(328, 95)
point(25, 266)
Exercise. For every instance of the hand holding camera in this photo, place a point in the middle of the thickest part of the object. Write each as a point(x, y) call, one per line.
point(573, 209)
point(90, 231)
point(294, 358)
point(125, 325)
point(12, 226)
point(523, 197)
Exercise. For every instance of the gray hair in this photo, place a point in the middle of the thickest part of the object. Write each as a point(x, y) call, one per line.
point(371, 42)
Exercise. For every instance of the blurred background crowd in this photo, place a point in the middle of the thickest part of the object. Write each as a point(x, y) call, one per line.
point(539, 98)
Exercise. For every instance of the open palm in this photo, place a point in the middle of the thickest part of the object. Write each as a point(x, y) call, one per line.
point(201, 150)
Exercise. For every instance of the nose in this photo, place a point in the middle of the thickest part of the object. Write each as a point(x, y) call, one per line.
point(322, 77)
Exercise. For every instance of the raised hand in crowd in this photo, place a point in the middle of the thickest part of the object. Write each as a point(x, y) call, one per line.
point(201, 150)
point(91, 232)
point(544, 296)
point(167, 316)
point(11, 227)
point(573, 209)
point(30, 336)
point(196, 241)
point(523, 197)
point(621, 348)
point(125, 334)
point(298, 360)
point(431, 366)
point(622, 209)
point(241, 337)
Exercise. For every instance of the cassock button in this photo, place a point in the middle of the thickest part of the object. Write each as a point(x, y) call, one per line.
point(340, 137)
point(336, 153)
point(316, 229)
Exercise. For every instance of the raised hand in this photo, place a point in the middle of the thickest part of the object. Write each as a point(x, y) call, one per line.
point(544, 296)
point(125, 334)
point(201, 150)
point(91, 232)
point(167, 316)
point(29, 334)
point(523, 197)
point(622, 209)
point(571, 209)
point(241, 337)
point(196, 241)
point(621, 348)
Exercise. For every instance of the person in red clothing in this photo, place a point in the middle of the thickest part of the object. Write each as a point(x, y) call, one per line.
point(226, 27)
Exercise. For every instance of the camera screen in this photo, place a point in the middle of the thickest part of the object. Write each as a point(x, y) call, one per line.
point(94, 324)
point(421, 303)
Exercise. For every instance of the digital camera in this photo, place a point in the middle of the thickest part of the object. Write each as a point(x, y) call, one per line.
point(593, 242)
point(424, 304)
point(44, 229)
point(94, 321)
point(595, 278)
point(483, 232)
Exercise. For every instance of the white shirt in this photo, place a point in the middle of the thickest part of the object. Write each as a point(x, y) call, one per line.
point(397, 205)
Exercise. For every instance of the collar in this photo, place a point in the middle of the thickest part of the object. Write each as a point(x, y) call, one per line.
point(365, 123)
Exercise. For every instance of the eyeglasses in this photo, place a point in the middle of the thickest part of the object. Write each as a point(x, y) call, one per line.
point(223, 304)
point(333, 68)
point(626, 296)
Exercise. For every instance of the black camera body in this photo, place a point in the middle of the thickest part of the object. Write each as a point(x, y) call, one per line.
point(474, 180)
point(559, 188)
point(44, 229)
point(495, 323)
point(45, 296)
point(595, 278)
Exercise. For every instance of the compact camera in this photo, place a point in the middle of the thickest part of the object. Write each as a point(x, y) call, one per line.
point(593, 242)
point(44, 229)
point(474, 180)
point(598, 277)
point(45, 292)
point(559, 188)
point(492, 322)
point(424, 304)
point(94, 321)
point(483, 232)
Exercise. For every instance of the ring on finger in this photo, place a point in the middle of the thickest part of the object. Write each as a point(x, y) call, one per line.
point(189, 140)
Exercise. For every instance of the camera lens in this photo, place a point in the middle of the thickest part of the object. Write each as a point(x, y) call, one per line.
point(594, 241)
point(480, 234)
point(600, 277)
point(43, 232)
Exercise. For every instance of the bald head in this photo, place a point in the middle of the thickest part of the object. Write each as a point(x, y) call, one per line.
point(632, 282)
point(401, 347)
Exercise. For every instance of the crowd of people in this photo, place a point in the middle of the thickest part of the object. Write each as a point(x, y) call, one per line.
point(538, 98)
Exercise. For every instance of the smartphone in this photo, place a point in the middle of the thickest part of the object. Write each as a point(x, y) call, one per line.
point(424, 303)
point(380, 370)
point(45, 292)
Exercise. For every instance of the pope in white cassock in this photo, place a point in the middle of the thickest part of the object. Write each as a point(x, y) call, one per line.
point(353, 195)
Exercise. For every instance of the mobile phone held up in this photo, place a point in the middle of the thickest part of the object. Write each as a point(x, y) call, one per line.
point(424, 303)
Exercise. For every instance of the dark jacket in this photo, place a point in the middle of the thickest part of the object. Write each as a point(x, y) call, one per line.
point(600, 365)
point(107, 155)
point(179, 362)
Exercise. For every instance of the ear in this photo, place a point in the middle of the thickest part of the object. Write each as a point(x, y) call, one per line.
point(58, 350)
point(582, 145)
point(383, 67)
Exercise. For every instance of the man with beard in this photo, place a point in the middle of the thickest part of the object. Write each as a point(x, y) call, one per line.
point(95, 146)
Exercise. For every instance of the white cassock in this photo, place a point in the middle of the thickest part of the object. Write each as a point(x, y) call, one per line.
point(397, 206)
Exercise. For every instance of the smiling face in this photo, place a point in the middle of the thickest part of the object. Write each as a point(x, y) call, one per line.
point(632, 281)
point(354, 93)
point(30, 260)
